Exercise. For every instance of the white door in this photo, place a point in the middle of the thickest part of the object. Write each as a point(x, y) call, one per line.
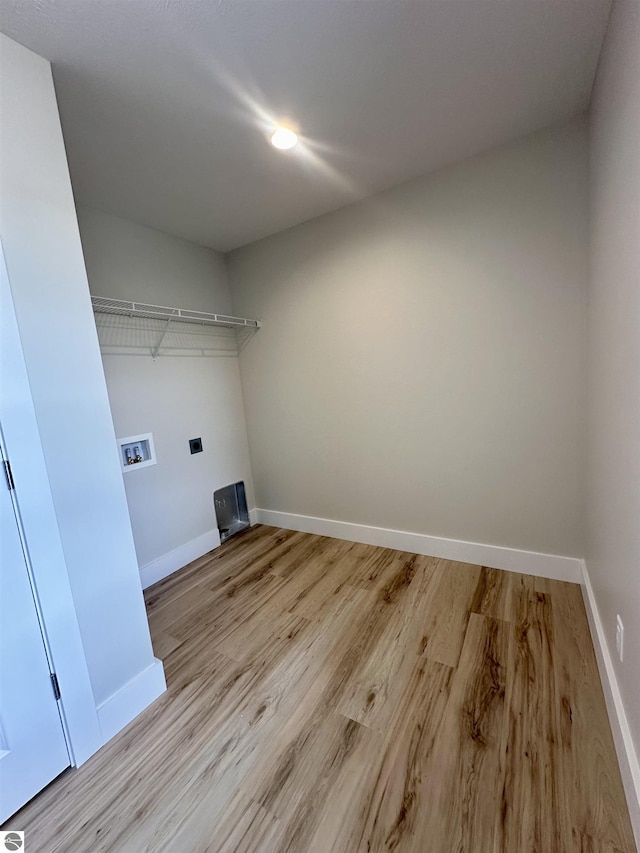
point(33, 750)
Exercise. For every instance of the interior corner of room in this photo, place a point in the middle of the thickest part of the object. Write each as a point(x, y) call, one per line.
point(448, 366)
point(173, 379)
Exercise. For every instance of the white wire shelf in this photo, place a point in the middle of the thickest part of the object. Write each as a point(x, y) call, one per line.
point(102, 305)
point(143, 328)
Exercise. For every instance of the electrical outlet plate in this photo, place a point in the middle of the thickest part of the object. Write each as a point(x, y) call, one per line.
point(620, 637)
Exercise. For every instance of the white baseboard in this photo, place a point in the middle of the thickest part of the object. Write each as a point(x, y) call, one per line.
point(494, 556)
point(625, 749)
point(253, 517)
point(120, 709)
point(167, 564)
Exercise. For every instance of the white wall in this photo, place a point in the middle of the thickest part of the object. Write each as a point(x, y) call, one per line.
point(613, 493)
point(174, 397)
point(53, 311)
point(420, 366)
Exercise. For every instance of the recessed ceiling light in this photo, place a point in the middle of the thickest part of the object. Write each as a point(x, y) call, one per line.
point(283, 138)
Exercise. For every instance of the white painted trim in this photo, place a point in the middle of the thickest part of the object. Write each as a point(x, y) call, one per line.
point(494, 556)
point(131, 699)
point(253, 516)
point(625, 749)
point(169, 563)
point(42, 537)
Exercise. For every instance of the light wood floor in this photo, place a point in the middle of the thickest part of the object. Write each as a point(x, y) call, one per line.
point(329, 696)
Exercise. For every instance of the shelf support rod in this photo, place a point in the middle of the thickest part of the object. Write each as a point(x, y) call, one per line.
point(156, 349)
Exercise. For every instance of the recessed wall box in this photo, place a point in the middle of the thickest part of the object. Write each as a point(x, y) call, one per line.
point(231, 510)
point(136, 452)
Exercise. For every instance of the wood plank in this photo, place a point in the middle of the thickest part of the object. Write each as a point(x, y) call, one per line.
point(379, 809)
point(592, 781)
point(493, 596)
point(586, 844)
point(465, 772)
point(251, 637)
point(370, 566)
point(218, 571)
point(213, 617)
point(533, 814)
point(376, 686)
point(319, 580)
point(296, 783)
point(229, 558)
point(316, 600)
point(164, 644)
point(246, 828)
point(451, 596)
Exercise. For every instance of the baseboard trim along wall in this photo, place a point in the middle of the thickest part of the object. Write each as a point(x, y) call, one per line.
point(167, 564)
point(493, 556)
point(627, 756)
point(119, 710)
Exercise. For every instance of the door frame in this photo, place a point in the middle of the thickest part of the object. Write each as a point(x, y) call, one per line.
point(43, 548)
point(29, 569)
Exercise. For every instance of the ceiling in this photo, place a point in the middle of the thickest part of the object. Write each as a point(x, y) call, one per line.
point(167, 105)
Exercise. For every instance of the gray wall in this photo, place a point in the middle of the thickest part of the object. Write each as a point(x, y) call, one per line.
point(174, 397)
point(421, 361)
point(613, 504)
point(129, 261)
